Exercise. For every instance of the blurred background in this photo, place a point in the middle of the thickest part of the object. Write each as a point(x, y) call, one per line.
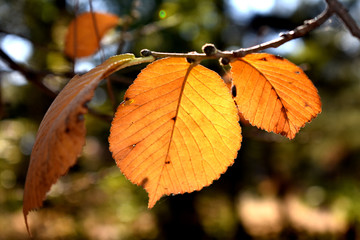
point(307, 188)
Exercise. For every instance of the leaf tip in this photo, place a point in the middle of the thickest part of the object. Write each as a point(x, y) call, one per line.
point(152, 201)
point(154, 196)
point(25, 213)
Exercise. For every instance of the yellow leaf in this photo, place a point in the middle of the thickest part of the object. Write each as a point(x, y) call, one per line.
point(177, 129)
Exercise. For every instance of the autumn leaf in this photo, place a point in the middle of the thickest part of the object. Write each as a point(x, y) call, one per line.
point(61, 134)
point(177, 129)
point(83, 36)
point(273, 93)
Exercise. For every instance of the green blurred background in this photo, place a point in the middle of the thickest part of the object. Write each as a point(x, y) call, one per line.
point(307, 188)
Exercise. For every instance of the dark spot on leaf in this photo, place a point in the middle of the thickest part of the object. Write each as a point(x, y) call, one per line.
point(127, 99)
point(297, 72)
point(174, 118)
point(278, 57)
point(67, 130)
point(233, 91)
point(143, 182)
point(263, 59)
point(167, 162)
point(307, 104)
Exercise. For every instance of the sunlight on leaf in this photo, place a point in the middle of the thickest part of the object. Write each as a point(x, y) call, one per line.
point(273, 93)
point(177, 129)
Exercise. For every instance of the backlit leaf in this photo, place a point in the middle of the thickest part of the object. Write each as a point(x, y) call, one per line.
point(177, 129)
point(82, 39)
point(61, 134)
point(273, 93)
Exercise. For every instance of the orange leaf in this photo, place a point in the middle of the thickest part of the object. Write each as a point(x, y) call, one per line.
point(83, 38)
point(273, 93)
point(61, 133)
point(177, 129)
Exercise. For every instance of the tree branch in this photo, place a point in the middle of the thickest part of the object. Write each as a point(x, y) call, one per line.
point(343, 14)
point(298, 32)
point(36, 79)
point(30, 75)
point(333, 7)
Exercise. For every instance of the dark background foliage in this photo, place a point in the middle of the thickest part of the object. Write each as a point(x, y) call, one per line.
point(308, 188)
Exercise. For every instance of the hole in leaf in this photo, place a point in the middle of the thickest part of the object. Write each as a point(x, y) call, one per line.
point(67, 130)
point(233, 91)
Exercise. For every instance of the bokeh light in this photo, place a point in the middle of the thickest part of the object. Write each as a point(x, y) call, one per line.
point(162, 14)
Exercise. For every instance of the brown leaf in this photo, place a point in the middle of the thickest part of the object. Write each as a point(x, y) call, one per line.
point(83, 36)
point(177, 129)
point(61, 134)
point(273, 93)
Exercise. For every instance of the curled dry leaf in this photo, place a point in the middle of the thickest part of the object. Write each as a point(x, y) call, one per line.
point(61, 134)
point(273, 93)
point(83, 36)
point(177, 129)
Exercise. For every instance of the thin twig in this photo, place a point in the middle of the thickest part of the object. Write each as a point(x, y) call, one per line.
point(343, 14)
point(93, 17)
point(333, 7)
point(123, 33)
point(75, 48)
point(36, 79)
point(108, 81)
point(2, 110)
point(30, 75)
point(298, 32)
point(127, 21)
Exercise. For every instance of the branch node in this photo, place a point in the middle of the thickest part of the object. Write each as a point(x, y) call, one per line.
point(190, 60)
point(145, 53)
point(209, 49)
point(224, 61)
point(284, 35)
